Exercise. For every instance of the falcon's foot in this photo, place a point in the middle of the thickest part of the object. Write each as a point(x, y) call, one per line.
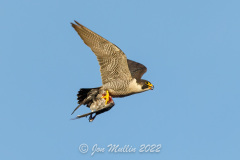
point(107, 97)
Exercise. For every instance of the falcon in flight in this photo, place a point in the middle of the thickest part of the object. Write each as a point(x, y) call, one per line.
point(121, 77)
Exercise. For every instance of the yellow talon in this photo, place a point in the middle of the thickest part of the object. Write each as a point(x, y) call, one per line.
point(106, 97)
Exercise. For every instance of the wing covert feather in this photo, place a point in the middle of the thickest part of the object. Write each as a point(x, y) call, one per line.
point(112, 60)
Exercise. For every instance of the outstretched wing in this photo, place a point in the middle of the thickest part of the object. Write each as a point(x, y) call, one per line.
point(112, 60)
point(137, 70)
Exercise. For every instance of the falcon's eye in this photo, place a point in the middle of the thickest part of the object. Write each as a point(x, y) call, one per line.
point(148, 83)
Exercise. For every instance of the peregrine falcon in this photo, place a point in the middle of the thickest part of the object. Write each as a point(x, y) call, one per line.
point(121, 77)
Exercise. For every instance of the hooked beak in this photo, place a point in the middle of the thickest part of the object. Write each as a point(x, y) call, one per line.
point(151, 87)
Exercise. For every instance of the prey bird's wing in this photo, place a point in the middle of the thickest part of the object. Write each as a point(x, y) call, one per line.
point(137, 70)
point(100, 111)
point(112, 60)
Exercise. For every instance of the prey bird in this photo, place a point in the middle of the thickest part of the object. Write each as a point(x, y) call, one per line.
point(121, 77)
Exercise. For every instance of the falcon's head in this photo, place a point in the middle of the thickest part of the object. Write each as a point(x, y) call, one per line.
point(146, 85)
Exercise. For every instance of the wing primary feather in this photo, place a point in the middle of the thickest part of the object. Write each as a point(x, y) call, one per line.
point(76, 108)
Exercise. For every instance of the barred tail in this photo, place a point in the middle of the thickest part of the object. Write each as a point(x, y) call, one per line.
point(86, 96)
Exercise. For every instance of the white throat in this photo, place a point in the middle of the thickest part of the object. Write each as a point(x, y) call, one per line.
point(134, 86)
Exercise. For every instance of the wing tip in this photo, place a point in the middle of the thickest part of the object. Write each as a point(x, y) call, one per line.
point(77, 22)
point(73, 24)
point(77, 25)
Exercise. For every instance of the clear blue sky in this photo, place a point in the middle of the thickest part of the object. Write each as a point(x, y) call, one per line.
point(191, 49)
